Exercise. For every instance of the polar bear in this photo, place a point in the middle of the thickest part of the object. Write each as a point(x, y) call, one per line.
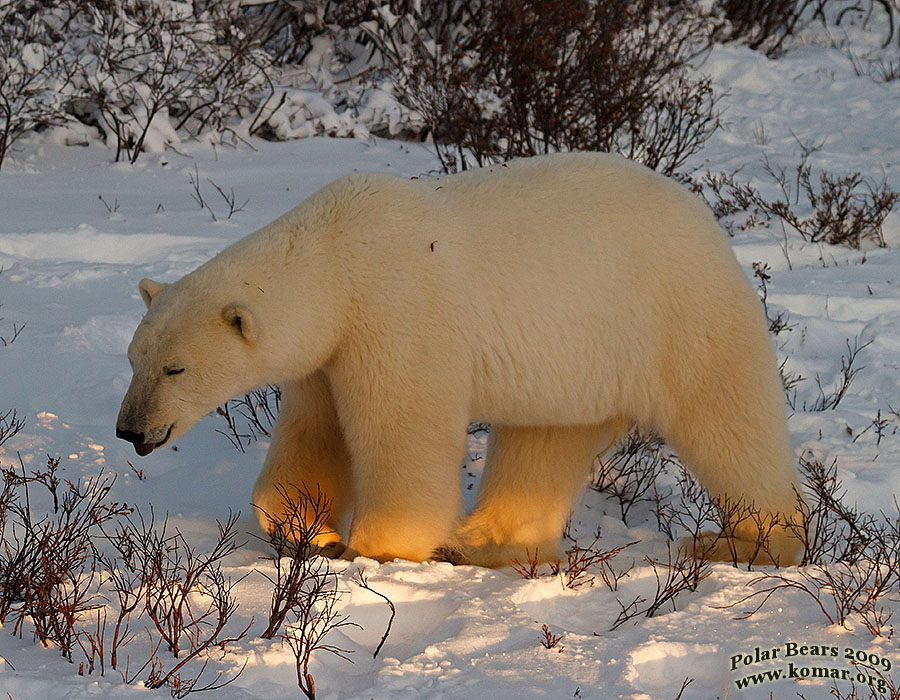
point(559, 298)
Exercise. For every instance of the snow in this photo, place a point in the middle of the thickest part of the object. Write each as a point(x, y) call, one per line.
point(71, 263)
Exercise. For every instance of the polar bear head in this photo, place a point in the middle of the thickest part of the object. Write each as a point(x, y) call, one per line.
point(191, 352)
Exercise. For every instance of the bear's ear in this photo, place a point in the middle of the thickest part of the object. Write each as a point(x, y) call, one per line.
point(242, 320)
point(150, 289)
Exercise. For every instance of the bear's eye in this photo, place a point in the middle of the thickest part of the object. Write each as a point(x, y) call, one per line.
point(172, 371)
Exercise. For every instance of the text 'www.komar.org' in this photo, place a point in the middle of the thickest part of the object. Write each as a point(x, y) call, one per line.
point(804, 662)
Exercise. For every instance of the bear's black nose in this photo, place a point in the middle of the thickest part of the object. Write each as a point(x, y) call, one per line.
point(132, 437)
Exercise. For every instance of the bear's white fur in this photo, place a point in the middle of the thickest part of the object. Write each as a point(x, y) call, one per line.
point(558, 298)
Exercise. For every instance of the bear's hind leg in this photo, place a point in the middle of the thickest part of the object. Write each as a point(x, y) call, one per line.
point(531, 479)
point(757, 490)
point(307, 452)
point(730, 429)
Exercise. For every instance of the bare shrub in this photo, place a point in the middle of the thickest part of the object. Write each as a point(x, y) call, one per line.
point(127, 590)
point(183, 593)
point(684, 686)
point(204, 634)
point(361, 580)
point(10, 425)
point(632, 470)
point(313, 619)
point(851, 560)
point(492, 78)
point(829, 529)
point(777, 323)
point(48, 565)
point(285, 29)
point(838, 589)
point(789, 381)
point(82, 569)
point(292, 536)
point(550, 640)
point(846, 209)
point(879, 426)
point(707, 524)
point(849, 370)
point(194, 70)
point(878, 68)
point(288, 31)
point(17, 328)
point(880, 685)
point(7, 340)
point(729, 197)
point(863, 13)
point(253, 415)
point(687, 511)
point(230, 198)
point(171, 573)
point(496, 79)
point(581, 566)
point(765, 25)
point(692, 511)
point(250, 416)
point(574, 572)
point(305, 595)
point(630, 476)
point(530, 568)
point(732, 519)
point(54, 577)
point(682, 571)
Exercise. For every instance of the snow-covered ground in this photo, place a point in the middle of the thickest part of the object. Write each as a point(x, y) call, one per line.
point(77, 233)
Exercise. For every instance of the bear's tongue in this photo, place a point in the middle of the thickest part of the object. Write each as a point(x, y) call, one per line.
point(144, 449)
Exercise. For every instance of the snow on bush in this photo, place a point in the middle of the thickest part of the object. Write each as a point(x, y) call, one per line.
point(149, 71)
point(140, 72)
point(143, 74)
point(486, 80)
point(333, 91)
point(30, 76)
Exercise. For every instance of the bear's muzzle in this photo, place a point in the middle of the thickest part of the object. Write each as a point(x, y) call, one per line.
point(142, 446)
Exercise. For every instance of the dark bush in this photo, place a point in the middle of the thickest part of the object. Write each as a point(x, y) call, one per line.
point(764, 24)
point(286, 30)
point(498, 79)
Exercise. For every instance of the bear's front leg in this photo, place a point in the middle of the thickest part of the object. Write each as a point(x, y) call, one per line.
point(406, 439)
point(307, 453)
